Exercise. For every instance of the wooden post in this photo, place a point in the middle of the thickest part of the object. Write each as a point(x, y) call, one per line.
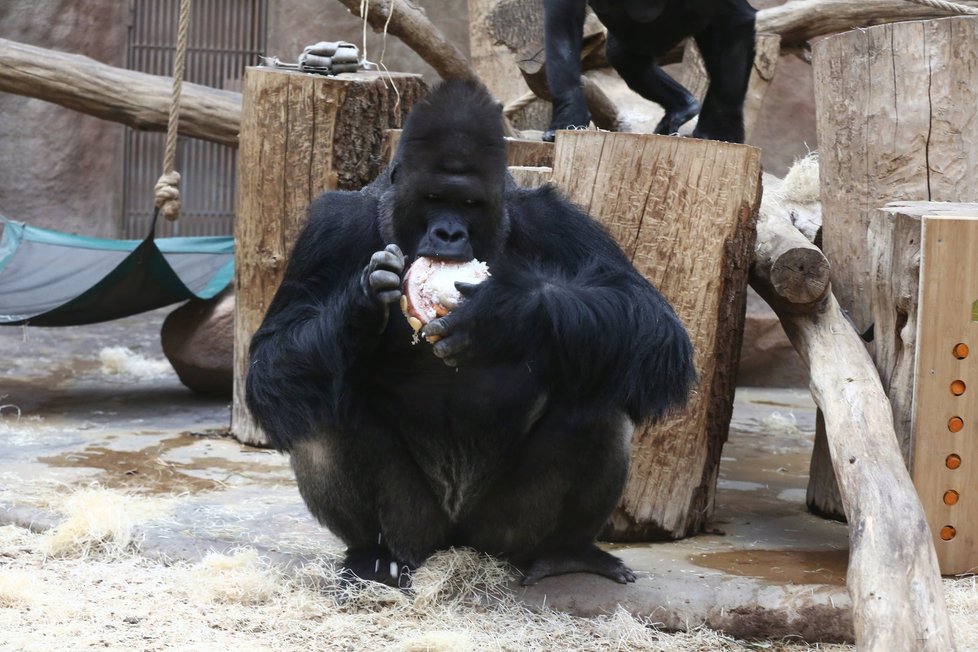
point(925, 302)
point(300, 135)
point(895, 111)
point(683, 210)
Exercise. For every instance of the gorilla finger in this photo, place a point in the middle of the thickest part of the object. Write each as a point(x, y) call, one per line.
point(394, 249)
point(467, 289)
point(387, 260)
point(452, 347)
point(389, 296)
point(382, 280)
point(441, 327)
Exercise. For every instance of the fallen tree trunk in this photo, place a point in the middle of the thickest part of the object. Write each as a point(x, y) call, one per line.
point(893, 578)
point(133, 98)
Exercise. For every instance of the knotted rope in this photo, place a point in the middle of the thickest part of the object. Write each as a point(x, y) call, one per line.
point(167, 189)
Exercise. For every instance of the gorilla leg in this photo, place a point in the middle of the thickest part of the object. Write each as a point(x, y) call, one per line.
point(369, 493)
point(728, 54)
point(563, 30)
point(555, 497)
point(644, 76)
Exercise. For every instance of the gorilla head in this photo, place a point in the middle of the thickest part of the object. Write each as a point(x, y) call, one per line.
point(449, 176)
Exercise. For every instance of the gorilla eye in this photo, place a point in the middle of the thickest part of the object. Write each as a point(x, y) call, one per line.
point(471, 203)
point(432, 197)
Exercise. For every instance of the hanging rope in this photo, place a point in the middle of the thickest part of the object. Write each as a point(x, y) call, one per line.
point(953, 7)
point(519, 103)
point(168, 187)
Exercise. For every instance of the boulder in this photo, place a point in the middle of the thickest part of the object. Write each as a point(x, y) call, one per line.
point(198, 340)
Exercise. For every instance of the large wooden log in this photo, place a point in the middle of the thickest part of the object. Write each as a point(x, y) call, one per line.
point(895, 115)
point(133, 98)
point(300, 135)
point(683, 211)
point(893, 577)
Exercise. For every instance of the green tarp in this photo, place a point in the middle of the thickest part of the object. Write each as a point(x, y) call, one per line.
point(49, 278)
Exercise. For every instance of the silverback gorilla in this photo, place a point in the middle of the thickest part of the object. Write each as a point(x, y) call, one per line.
point(510, 434)
point(641, 31)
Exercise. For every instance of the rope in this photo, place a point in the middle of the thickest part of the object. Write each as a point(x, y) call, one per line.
point(168, 187)
point(953, 7)
point(519, 103)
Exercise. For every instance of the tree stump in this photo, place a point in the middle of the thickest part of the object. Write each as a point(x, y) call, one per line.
point(895, 109)
point(300, 135)
point(683, 211)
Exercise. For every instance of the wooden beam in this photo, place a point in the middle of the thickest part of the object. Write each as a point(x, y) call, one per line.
point(133, 98)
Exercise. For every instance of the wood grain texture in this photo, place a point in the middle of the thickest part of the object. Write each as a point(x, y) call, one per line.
point(896, 121)
point(300, 136)
point(946, 387)
point(683, 211)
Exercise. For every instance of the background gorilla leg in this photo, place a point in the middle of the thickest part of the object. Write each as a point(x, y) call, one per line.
point(563, 30)
point(373, 499)
point(555, 497)
point(728, 55)
point(644, 76)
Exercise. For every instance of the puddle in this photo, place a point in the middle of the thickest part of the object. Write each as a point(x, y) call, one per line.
point(782, 566)
point(148, 471)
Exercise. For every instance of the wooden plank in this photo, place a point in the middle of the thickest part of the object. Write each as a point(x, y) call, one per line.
point(945, 450)
point(684, 211)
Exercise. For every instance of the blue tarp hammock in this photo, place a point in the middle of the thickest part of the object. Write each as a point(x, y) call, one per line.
point(48, 278)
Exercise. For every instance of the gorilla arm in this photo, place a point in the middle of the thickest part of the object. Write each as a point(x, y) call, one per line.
point(565, 301)
point(330, 308)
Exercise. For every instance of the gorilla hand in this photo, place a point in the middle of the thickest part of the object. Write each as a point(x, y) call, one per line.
point(381, 279)
point(451, 334)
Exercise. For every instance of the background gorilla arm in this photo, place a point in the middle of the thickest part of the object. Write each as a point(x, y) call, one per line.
point(316, 327)
point(567, 302)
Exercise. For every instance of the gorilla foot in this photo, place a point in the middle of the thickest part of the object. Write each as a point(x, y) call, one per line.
point(590, 559)
point(375, 565)
point(572, 115)
point(676, 118)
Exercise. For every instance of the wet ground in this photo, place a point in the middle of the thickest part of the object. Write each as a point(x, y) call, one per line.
point(766, 568)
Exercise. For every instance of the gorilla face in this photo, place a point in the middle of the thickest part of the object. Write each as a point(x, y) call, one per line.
point(448, 180)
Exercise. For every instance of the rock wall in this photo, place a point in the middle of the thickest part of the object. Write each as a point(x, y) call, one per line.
point(59, 168)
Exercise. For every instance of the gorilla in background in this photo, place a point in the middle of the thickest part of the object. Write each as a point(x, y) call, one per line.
point(641, 31)
point(511, 433)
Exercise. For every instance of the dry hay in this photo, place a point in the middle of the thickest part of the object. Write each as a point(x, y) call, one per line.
point(121, 361)
point(99, 592)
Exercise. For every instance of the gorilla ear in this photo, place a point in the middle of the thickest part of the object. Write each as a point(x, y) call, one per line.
point(392, 170)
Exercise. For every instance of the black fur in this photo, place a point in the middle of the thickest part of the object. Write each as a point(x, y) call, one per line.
point(640, 32)
point(510, 435)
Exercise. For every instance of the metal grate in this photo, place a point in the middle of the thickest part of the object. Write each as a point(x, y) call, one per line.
point(225, 37)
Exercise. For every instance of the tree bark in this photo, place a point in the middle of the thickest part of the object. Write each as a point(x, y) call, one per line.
point(663, 198)
point(301, 135)
point(894, 107)
point(133, 98)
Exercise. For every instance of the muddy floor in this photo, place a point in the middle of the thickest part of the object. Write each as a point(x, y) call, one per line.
point(98, 405)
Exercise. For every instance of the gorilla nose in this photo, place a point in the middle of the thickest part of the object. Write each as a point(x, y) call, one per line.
point(448, 240)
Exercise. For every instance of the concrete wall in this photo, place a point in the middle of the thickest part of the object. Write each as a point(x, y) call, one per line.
point(59, 168)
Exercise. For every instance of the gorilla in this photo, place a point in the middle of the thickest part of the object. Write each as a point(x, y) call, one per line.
point(641, 31)
point(511, 433)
